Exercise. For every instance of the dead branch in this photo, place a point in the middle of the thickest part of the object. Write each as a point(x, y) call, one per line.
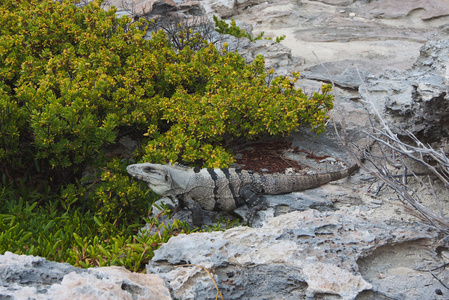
point(394, 156)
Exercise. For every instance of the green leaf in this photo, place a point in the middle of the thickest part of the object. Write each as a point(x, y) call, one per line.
point(49, 225)
point(25, 237)
point(99, 223)
point(136, 247)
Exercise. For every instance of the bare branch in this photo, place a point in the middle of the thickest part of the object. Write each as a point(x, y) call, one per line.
point(393, 153)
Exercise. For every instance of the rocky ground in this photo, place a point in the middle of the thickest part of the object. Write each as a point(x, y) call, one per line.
point(351, 239)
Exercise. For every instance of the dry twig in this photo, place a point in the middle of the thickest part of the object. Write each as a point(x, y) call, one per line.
point(395, 154)
point(392, 155)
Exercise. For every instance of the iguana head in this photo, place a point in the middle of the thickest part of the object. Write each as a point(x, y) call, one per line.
point(156, 176)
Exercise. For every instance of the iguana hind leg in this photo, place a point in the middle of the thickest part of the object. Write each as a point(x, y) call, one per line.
point(255, 202)
point(251, 197)
point(195, 208)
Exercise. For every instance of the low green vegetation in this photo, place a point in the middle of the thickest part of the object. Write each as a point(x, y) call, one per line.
point(234, 30)
point(73, 81)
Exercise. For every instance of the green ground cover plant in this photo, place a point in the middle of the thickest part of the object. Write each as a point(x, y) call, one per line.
point(73, 81)
point(234, 30)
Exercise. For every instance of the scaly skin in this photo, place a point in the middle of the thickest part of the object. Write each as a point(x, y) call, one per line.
point(225, 189)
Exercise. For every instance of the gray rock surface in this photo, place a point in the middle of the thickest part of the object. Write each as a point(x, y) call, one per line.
point(377, 35)
point(141, 7)
point(30, 277)
point(298, 255)
point(417, 99)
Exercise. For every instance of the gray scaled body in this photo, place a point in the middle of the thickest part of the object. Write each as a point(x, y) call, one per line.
point(224, 189)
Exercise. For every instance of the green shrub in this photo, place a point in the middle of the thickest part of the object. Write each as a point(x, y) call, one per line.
point(81, 76)
point(74, 80)
point(63, 80)
point(232, 29)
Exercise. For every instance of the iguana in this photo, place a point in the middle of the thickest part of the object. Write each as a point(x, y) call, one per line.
point(224, 189)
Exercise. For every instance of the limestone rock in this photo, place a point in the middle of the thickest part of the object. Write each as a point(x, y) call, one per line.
point(141, 7)
point(330, 279)
point(30, 277)
point(222, 8)
point(296, 255)
point(417, 99)
point(377, 35)
point(424, 10)
point(226, 8)
point(343, 74)
point(277, 56)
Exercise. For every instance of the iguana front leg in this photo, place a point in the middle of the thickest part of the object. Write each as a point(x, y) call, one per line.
point(254, 200)
point(195, 209)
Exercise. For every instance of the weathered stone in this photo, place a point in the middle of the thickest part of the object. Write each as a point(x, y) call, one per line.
point(424, 10)
point(371, 32)
point(221, 8)
point(417, 99)
point(226, 8)
point(30, 277)
point(343, 74)
point(277, 56)
point(294, 255)
point(142, 7)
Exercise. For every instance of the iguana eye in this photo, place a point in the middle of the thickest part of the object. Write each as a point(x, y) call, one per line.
point(147, 169)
